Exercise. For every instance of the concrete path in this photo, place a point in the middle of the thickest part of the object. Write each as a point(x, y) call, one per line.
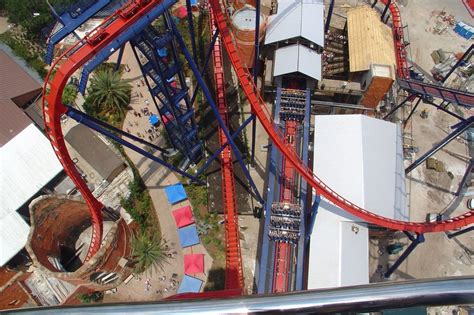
point(156, 178)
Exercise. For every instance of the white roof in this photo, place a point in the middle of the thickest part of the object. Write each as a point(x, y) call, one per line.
point(27, 164)
point(13, 236)
point(339, 250)
point(366, 167)
point(300, 18)
point(297, 58)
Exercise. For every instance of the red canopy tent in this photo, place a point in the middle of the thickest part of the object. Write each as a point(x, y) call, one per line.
point(181, 12)
point(183, 216)
point(193, 263)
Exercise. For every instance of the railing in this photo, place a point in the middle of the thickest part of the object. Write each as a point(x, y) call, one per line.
point(364, 298)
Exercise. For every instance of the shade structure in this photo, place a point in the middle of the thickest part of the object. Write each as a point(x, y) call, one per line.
point(183, 216)
point(190, 284)
point(188, 236)
point(163, 52)
point(181, 12)
point(175, 193)
point(193, 263)
point(154, 120)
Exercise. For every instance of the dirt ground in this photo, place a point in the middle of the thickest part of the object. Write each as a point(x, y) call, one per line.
point(431, 191)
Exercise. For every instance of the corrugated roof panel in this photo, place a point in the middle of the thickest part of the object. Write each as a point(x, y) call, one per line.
point(297, 19)
point(297, 58)
point(27, 163)
point(13, 237)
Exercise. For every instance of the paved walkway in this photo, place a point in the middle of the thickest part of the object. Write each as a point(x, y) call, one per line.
point(156, 178)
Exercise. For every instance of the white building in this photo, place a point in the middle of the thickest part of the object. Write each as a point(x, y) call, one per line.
point(361, 158)
point(27, 160)
point(297, 31)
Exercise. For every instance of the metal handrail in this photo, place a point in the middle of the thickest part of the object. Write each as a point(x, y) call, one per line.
point(372, 297)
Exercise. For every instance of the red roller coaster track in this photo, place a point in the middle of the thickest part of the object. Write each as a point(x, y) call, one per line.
point(234, 277)
point(111, 28)
point(284, 251)
point(53, 88)
point(258, 106)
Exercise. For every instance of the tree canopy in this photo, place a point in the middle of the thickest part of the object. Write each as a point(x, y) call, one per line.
point(32, 15)
point(108, 93)
point(148, 252)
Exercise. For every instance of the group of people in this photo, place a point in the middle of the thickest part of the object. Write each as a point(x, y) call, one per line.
point(282, 236)
point(286, 209)
point(285, 223)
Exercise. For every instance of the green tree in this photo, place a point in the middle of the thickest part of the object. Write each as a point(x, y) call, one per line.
point(109, 93)
point(69, 94)
point(32, 15)
point(148, 252)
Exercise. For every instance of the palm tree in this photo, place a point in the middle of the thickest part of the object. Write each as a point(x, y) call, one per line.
point(109, 93)
point(148, 252)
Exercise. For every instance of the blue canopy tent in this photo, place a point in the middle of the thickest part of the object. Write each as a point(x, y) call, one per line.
point(194, 3)
point(163, 52)
point(154, 120)
point(188, 236)
point(190, 284)
point(175, 193)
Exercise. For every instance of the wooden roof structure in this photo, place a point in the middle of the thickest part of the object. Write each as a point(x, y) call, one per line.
point(370, 41)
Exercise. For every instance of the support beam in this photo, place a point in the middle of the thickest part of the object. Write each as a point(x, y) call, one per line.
point(412, 111)
point(312, 217)
point(444, 110)
point(418, 240)
point(119, 131)
point(374, 4)
point(119, 58)
point(191, 30)
point(469, 229)
point(397, 107)
point(466, 177)
point(328, 18)
point(215, 110)
point(464, 57)
point(216, 154)
point(385, 10)
point(460, 128)
point(206, 62)
point(84, 119)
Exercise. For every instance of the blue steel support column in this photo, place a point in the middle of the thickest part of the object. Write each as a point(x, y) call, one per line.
point(460, 128)
point(191, 30)
point(463, 58)
point(117, 130)
point(221, 123)
point(466, 176)
point(303, 199)
point(255, 73)
point(397, 107)
point(328, 19)
point(84, 119)
point(119, 58)
point(265, 276)
point(206, 62)
point(419, 239)
point(412, 111)
point(216, 154)
point(469, 229)
point(312, 218)
point(182, 80)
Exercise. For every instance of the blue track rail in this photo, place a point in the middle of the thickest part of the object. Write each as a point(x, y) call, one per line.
point(71, 20)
